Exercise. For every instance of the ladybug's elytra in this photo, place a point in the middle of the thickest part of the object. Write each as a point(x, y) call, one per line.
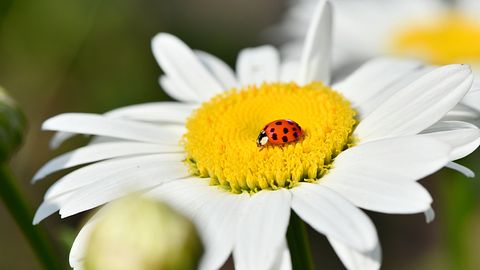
point(279, 132)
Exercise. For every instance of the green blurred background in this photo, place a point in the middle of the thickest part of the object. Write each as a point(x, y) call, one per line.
point(94, 55)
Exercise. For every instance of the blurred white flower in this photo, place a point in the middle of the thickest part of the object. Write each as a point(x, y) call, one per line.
point(368, 139)
point(435, 31)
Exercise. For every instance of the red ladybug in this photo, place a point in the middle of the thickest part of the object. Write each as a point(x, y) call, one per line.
point(279, 132)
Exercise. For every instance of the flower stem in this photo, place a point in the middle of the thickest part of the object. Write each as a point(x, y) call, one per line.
point(298, 244)
point(459, 198)
point(19, 210)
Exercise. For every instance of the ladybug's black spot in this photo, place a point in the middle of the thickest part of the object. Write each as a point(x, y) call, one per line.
point(278, 123)
point(284, 139)
point(295, 134)
point(274, 136)
point(272, 130)
point(294, 129)
point(285, 130)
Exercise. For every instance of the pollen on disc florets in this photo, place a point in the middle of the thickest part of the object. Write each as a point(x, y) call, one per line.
point(220, 139)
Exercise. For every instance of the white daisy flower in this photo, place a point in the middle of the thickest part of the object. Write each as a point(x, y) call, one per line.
point(366, 142)
point(434, 31)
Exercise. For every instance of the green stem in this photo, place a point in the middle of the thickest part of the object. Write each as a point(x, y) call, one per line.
point(458, 211)
point(298, 244)
point(19, 210)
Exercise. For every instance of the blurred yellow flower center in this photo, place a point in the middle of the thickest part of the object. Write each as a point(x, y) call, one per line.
point(221, 134)
point(453, 38)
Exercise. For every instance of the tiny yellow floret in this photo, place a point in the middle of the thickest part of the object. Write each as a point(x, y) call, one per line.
point(221, 134)
point(441, 40)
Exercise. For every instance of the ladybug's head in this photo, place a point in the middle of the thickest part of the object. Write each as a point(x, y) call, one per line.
point(262, 139)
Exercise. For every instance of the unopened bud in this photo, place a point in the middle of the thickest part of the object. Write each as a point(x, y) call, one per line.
point(141, 234)
point(12, 126)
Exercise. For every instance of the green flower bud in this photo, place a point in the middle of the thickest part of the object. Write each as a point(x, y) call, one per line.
point(136, 233)
point(12, 126)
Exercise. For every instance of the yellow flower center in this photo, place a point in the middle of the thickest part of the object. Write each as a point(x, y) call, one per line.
point(451, 38)
point(221, 136)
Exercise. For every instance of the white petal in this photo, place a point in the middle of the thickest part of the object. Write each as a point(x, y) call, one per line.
point(463, 113)
point(219, 221)
point(472, 99)
point(419, 105)
point(284, 260)
point(354, 260)
point(60, 137)
point(373, 80)
point(121, 183)
point(264, 223)
point(93, 124)
point(103, 139)
point(330, 214)
point(449, 126)
point(380, 175)
point(48, 207)
point(178, 90)
point(109, 169)
point(289, 71)
point(476, 85)
point(114, 176)
point(185, 195)
point(180, 64)
point(429, 215)
point(97, 152)
point(463, 137)
point(171, 112)
point(461, 169)
point(315, 60)
point(219, 69)
point(215, 212)
point(377, 100)
point(408, 158)
point(258, 65)
point(382, 196)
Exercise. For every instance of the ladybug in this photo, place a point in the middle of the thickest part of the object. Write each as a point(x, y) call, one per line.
point(279, 132)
